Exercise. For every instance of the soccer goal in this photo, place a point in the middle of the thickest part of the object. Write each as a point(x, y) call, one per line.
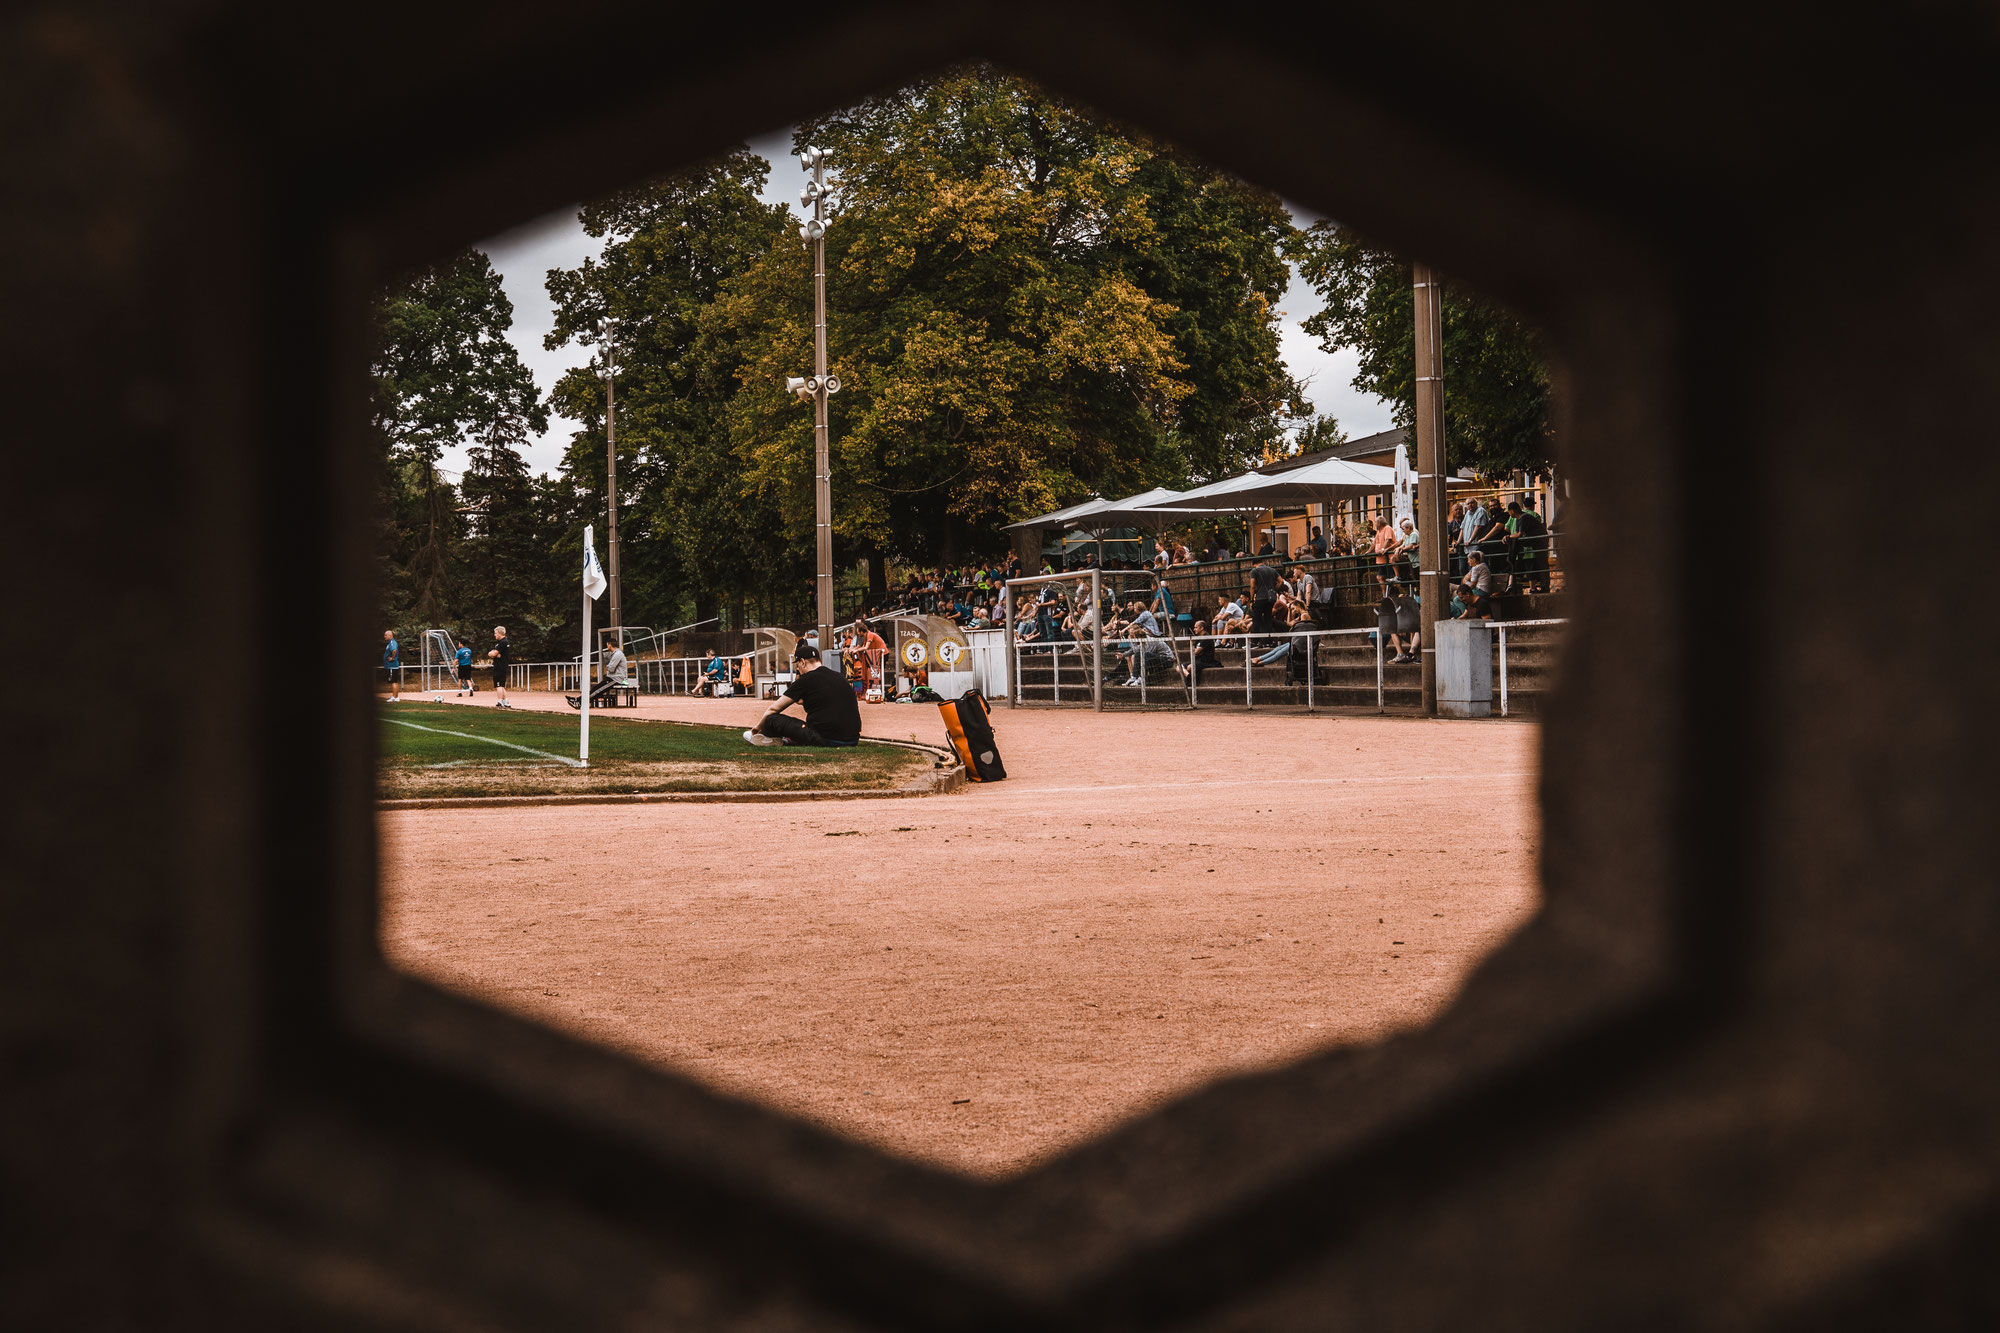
point(1070, 644)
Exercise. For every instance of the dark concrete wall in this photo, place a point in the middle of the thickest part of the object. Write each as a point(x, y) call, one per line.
point(1738, 1074)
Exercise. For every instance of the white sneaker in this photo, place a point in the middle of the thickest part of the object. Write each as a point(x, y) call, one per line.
point(759, 738)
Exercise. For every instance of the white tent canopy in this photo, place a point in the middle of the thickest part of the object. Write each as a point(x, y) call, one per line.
point(1131, 512)
point(1054, 519)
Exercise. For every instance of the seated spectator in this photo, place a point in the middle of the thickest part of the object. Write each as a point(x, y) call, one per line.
point(1204, 651)
point(1409, 625)
point(1231, 618)
point(1316, 544)
point(714, 672)
point(612, 675)
point(1385, 621)
point(1305, 588)
point(1475, 590)
point(1145, 649)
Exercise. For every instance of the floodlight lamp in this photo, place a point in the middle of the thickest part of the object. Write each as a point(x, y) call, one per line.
point(811, 157)
point(813, 229)
point(812, 191)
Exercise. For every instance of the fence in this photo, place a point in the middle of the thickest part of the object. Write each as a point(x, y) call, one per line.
point(1301, 650)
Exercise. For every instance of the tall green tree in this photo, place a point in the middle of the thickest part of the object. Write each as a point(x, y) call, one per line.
point(690, 531)
point(1025, 304)
point(445, 375)
point(1496, 382)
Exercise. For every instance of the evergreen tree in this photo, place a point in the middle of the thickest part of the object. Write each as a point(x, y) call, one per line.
point(445, 375)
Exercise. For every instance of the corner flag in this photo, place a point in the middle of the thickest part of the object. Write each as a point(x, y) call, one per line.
point(593, 576)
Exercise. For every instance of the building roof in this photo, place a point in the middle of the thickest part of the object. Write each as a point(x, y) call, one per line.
point(1381, 442)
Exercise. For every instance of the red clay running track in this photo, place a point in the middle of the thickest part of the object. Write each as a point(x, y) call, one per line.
point(983, 979)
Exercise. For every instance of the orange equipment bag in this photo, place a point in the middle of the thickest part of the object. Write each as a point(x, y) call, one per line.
point(968, 723)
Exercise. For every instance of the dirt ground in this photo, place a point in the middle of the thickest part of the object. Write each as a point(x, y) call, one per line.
point(980, 980)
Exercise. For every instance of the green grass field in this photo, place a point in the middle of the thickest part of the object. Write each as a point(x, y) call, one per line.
point(447, 750)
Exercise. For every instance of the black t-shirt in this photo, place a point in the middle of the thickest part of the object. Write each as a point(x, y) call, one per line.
point(505, 650)
point(1265, 578)
point(829, 704)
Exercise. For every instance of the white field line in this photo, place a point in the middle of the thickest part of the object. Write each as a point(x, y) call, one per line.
point(468, 736)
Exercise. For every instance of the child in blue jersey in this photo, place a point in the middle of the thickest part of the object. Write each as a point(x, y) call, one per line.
point(465, 685)
point(392, 664)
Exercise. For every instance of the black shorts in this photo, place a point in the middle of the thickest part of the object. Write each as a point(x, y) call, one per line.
point(465, 674)
point(499, 676)
point(394, 675)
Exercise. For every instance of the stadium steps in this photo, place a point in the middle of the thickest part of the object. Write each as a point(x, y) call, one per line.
point(1346, 678)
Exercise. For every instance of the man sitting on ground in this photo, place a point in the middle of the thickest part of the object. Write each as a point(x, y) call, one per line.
point(832, 718)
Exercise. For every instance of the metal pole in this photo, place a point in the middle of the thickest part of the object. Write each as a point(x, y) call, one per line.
point(611, 483)
point(583, 735)
point(1007, 591)
point(1503, 667)
point(1430, 469)
point(1380, 707)
point(1097, 641)
point(822, 471)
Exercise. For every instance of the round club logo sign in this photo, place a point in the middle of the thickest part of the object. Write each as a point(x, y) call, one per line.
point(916, 654)
point(949, 653)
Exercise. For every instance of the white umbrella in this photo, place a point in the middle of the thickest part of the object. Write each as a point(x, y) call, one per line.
point(1053, 519)
point(1406, 485)
point(1131, 512)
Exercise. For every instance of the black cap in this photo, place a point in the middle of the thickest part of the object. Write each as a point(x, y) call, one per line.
point(804, 652)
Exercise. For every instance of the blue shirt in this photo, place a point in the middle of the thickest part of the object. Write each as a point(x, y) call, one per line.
point(464, 655)
point(392, 653)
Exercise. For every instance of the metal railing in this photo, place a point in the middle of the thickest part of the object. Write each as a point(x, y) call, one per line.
point(1500, 628)
point(1086, 664)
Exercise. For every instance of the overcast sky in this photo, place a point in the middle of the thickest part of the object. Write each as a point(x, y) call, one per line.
point(524, 256)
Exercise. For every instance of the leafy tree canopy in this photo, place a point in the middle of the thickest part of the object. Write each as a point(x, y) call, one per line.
point(1496, 384)
point(686, 527)
point(1025, 304)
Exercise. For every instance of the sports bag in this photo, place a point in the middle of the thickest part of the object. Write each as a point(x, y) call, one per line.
point(967, 722)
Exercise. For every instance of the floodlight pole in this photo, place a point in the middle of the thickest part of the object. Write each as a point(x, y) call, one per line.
point(1430, 469)
point(822, 469)
point(611, 482)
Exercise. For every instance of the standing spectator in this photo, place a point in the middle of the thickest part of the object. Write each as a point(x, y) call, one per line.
point(392, 665)
point(1408, 548)
point(1264, 594)
point(1454, 521)
point(1471, 523)
point(502, 655)
point(1383, 543)
point(1531, 546)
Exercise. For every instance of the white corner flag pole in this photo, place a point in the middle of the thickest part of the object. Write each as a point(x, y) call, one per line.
point(593, 584)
